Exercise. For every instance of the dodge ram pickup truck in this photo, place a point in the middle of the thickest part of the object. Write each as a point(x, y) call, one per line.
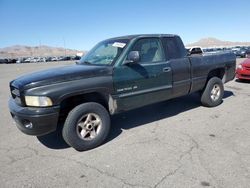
point(117, 75)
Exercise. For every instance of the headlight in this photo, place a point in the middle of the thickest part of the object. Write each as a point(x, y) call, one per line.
point(240, 67)
point(38, 101)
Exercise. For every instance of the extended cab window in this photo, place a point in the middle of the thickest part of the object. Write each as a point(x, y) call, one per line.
point(196, 51)
point(150, 50)
point(174, 48)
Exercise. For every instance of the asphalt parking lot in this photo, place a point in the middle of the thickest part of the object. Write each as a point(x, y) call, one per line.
point(177, 143)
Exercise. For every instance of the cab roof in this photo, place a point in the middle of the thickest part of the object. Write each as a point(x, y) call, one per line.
point(129, 37)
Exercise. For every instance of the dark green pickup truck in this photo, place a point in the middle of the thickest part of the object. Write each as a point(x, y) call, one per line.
point(117, 75)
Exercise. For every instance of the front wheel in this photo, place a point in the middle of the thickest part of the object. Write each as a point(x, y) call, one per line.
point(213, 92)
point(87, 126)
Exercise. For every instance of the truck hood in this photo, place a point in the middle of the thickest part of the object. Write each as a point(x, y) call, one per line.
point(61, 74)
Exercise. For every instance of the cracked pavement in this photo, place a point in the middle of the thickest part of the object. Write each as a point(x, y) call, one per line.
point(177, 143)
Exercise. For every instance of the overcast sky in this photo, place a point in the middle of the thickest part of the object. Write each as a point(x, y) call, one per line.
point(80, 24)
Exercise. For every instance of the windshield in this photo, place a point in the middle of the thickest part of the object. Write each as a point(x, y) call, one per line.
point(105, 53)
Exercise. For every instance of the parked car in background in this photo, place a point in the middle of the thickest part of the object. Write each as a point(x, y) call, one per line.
point(3, 61)
point(240, 52)
point(27, 60)
point(33, 60)
point(54, 59)
point(214, 50)
point(8, 61)
point(77, 58)
point(38, 59)
point(248, 53)
point(20, 60)
point(243, 70)
point(67, 58)
point(195, 50)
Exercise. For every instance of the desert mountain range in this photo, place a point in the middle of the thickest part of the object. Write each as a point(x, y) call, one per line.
point(35, 51)
point(42, 51)
point(213, 42)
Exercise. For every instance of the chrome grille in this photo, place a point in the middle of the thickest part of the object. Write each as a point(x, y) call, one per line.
point(247, 68)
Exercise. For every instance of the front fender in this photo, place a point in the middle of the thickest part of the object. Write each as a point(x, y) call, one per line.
point(60, 91)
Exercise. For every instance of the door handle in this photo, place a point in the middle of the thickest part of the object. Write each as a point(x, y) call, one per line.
point(167, 69)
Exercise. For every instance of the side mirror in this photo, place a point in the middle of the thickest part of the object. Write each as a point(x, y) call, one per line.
point(133, 57)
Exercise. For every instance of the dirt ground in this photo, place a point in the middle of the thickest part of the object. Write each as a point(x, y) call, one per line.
point(177, 143)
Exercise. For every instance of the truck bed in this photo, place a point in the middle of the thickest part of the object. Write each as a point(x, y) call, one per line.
point(202, 66)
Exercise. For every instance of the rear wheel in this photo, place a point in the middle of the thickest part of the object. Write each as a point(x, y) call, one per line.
point(87, 126)
point(213, 92)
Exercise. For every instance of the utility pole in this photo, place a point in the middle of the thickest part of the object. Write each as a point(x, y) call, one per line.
point(64, 45)
point(39, 49)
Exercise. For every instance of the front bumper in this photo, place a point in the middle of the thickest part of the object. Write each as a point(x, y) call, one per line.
point(34, 121)
point(243, 74)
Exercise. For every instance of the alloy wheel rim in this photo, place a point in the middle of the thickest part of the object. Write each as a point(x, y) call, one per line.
point(215, 92)
point(89, 126)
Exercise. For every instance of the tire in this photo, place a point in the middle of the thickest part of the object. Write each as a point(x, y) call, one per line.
point(213, 93)
point(87, 126)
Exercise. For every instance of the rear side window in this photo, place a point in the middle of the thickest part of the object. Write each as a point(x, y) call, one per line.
point(196, 51)
point(174, 48)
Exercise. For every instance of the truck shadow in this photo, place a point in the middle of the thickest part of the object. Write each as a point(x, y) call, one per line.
point(54, 140)
point(135, 118)
point(155, 112)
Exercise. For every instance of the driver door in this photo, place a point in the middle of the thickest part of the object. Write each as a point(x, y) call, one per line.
point(147, 81)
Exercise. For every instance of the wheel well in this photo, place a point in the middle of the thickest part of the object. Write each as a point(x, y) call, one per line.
point(69, 103)
point(220, 72)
